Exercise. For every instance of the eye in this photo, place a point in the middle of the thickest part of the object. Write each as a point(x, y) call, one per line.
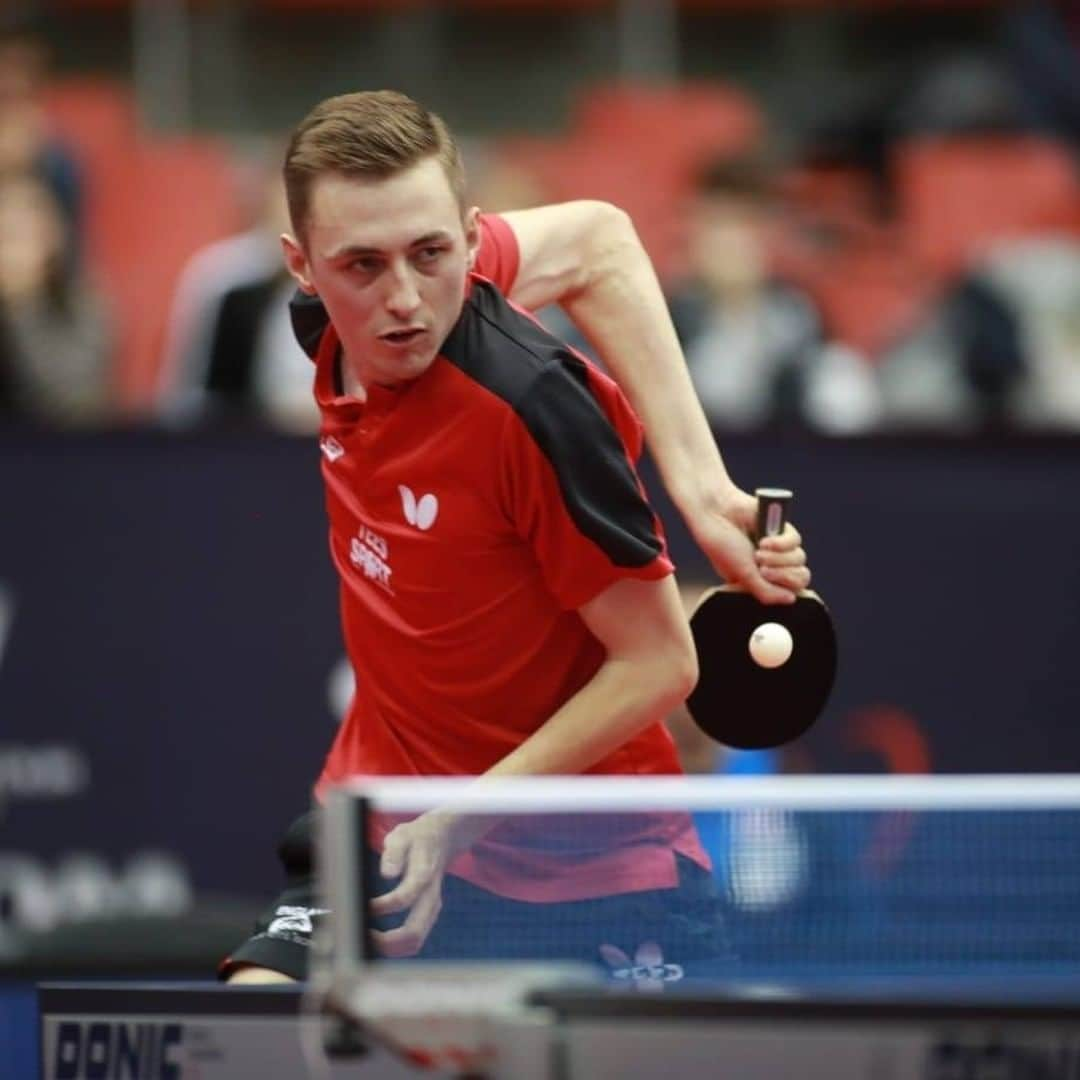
point(365, 264)
point(430, 254)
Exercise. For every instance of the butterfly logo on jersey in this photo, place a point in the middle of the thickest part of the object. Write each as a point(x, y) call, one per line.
point(331, 448)
point(421, 512)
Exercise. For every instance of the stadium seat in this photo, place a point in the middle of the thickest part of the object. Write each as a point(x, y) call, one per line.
point(870, 294)
point(177, 196)
point(581, 167)
point(956, 197)
point(97, 119)
point(836, 198)
point(685, 124)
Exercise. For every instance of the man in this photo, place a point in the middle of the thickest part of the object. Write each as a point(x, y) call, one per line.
point(508, 604)
point(586, 256)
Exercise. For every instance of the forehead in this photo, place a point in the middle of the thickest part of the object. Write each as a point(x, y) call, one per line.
point(382, 214)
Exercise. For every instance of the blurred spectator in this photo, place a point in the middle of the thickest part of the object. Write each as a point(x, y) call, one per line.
point(937, 91)
point(962, 366)
point(1041, 39)
point(231, 351)
point(963, 92)
point(1001, 349)
point(1040, 280)
point(754, 342)
point(55, 347)
point(27, 145)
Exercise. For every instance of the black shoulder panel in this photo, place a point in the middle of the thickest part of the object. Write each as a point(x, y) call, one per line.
point(547, 386)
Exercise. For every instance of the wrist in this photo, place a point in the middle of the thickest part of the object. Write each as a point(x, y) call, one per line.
point(705, 493)
point(459, 830)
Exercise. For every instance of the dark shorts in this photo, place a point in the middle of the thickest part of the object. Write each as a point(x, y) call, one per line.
point(660, 935)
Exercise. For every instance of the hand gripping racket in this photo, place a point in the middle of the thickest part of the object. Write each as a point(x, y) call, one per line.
point(738, 700)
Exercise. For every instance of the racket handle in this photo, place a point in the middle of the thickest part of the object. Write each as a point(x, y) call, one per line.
point(772, 510)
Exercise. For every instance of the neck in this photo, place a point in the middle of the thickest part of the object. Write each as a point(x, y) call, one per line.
point(351, 381)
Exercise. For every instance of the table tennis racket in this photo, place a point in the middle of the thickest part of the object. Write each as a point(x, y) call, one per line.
point(739, 702)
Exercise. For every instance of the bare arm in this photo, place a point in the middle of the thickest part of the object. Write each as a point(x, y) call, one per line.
point(650, 667)
point(587, 256)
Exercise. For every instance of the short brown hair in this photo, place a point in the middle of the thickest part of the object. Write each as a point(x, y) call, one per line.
point(371, 135)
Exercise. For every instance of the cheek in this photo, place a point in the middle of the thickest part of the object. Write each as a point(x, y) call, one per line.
point(345, 305)
point(448, 292)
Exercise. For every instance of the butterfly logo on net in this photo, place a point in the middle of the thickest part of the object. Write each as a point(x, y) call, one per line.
point(420, 513)
point(647, 970)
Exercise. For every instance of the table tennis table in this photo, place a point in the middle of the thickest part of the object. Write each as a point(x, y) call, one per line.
point(898, 928)
point(1007, 1027)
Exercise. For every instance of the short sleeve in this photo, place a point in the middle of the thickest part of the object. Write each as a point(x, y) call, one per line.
point(574, 495)
point(499, 257)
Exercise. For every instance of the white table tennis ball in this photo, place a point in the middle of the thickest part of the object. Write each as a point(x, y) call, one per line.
point(771, 645)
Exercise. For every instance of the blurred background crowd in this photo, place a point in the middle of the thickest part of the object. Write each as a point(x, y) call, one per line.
point(866, 215)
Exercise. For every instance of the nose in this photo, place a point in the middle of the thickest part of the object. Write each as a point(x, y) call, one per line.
point(403, 297)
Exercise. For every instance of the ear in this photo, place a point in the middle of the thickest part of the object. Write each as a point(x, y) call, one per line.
point(472, 234)
point(297, 264)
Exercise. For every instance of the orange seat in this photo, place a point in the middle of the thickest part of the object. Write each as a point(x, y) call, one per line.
point(842, 199)
point(96, 118)
point(869, 295)
point(93, 114)
point(958, 196)
point(687, 123)
point(179, 195)
point(601, 168)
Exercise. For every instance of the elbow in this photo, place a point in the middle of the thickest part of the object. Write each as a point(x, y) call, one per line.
point(602, 244)
point(608, 218)
point(612, 228)
point(610, 236)
point(685, 673)
point(676, 675)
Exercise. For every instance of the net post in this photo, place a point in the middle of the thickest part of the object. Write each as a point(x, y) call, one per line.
point(347, 877)
point(365, 878)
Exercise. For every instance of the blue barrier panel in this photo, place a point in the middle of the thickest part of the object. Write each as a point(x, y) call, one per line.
point(18, 1031)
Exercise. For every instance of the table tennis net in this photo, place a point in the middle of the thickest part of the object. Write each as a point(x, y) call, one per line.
point(805, 875)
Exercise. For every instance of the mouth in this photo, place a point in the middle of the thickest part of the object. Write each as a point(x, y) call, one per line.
point(402, 338)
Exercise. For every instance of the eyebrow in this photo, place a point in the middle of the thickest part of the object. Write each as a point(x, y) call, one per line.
point(354, 250)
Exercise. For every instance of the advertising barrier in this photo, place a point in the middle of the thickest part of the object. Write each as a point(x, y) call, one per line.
point(171, 667)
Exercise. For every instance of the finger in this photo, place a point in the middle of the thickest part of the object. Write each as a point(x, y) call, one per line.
point(395, 853)
point(787, 540)
point(408, 938)
point(418, 875)
point(777, 559)
point(742, 571)
point(795, 578)
point(773, 595)
point(766, 591)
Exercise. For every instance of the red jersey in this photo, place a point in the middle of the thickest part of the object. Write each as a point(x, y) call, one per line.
point(472, 511)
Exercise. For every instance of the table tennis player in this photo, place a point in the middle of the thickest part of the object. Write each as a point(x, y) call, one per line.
point(508, 604)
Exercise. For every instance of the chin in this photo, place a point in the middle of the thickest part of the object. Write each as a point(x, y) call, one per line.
point(409, 366)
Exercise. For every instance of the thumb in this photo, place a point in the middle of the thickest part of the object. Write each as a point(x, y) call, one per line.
point(394, 856)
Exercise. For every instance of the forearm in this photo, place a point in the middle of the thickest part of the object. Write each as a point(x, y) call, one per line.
point(622, 311)
point(622, 699)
